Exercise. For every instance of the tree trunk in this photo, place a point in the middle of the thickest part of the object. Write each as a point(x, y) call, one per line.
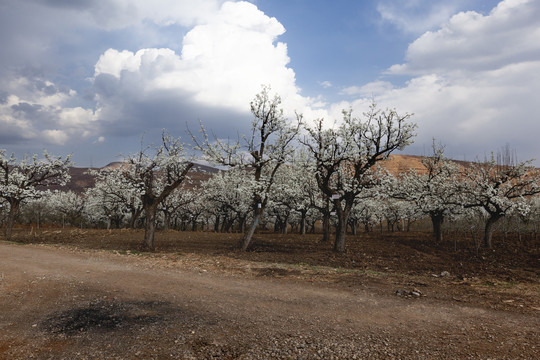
point(117, 220)
point(303, 224)
point(367, 226)
point(285, 225)
point(312, 227)
point(354, 227)
point(150, 227)
point(242, 224)
point(277, 225)
point(216, 224)
point(326, 227)
point(223, 227)
point(167, 222)
point(341, 231)
point(246, 240)
point(488, 230)
point(134, 217)
point(437, 220)
point(14, 206)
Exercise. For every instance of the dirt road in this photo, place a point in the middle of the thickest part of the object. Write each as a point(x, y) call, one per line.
point(58, 303)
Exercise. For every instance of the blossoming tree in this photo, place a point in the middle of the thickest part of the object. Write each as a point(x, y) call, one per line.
point(21, 180)
point(346, 156)
point(262, 152)
point(500, 187)
point(157, 171)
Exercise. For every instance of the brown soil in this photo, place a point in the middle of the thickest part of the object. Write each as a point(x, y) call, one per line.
point(93, 294)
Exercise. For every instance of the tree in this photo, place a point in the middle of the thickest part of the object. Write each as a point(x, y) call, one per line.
point(436, 192)
point(295, 188)
point(499, 186)
point(368, 212)
point(20, 181)
point(346, 157)
point(156, 172)
point(174, 203)
point(262, 153)
point(68, 205)
point(39, 209)
point(114, 195)
point(228, 197)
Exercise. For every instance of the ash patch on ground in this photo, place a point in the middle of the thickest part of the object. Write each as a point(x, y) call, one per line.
point(105, 316)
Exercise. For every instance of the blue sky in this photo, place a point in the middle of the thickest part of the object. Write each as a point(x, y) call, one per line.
point(90, 78)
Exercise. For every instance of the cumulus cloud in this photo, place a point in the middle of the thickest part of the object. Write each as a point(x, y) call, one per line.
point(229, 51)
point(40, 33)
point(471, 76)
point(470, 41)
point(474, 81)
point(222, 65)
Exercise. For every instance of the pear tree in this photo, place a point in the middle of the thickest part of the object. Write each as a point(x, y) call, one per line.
point(435, 191)
point(27, 178)
point(156, 171)
point(500, 186)
point(346, 155)
point(262, 152)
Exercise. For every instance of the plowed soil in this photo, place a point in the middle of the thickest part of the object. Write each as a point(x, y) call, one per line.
point(94, 294)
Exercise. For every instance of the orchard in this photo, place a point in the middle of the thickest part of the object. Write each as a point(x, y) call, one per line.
point(286, 176)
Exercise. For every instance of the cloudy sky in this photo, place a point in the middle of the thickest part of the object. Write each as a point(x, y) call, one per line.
point(91, 77)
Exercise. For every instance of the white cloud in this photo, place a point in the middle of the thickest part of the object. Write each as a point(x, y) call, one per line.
point(113, 62)
point(326, 84)
point(223, 63)
point(230, 50)
point(470, 41)
point(116, 14)
point(38, 110)
point(57, 137)
point(476, 81)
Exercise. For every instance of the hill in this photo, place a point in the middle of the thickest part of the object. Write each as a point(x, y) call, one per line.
point(82, 180)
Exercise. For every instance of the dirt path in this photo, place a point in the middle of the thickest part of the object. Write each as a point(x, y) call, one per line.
point(58, 303)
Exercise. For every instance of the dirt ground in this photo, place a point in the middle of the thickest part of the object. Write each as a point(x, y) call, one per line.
point(93, 294)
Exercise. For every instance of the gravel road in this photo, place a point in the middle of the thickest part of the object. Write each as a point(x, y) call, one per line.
point(61, 303)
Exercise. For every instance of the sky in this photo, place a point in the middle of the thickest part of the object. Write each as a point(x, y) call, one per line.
point(97, 79)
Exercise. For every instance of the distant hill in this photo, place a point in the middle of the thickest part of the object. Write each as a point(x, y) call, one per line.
point(80, 180)
point(397, 164)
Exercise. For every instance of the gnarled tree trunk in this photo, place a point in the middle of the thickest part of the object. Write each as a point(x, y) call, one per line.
point(150, 226)
point(341, 231)
point(14, 206)
point(437, 220)
point(343, 220)
point(246, 240)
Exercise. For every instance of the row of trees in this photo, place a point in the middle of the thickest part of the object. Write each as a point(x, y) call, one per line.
point(289, 170)
point(222, 203)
